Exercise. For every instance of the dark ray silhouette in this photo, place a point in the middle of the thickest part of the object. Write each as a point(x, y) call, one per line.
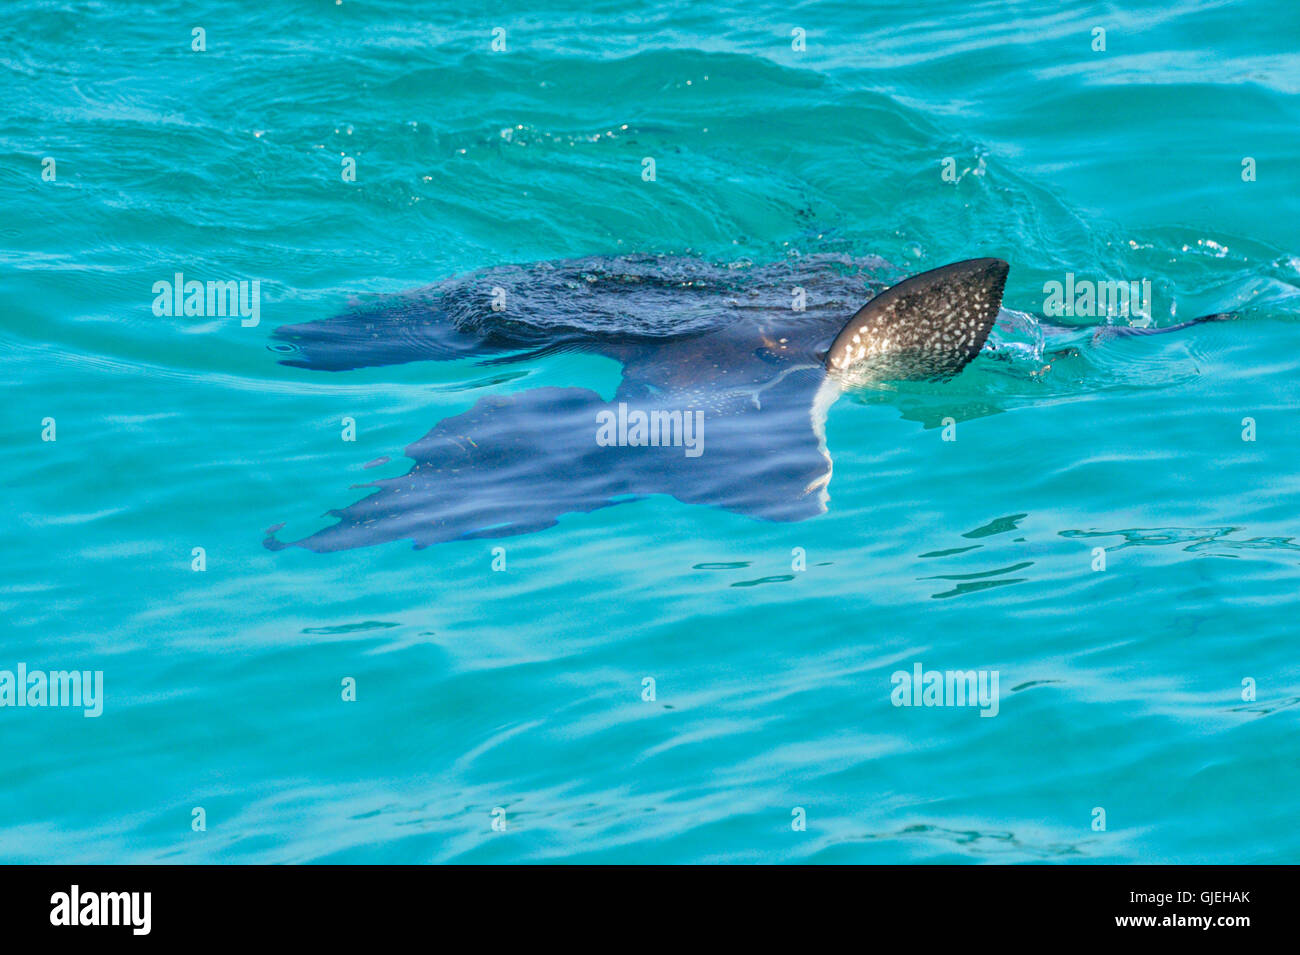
point(727, 376)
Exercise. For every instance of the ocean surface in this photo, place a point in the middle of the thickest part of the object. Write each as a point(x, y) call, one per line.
point(1147, 711)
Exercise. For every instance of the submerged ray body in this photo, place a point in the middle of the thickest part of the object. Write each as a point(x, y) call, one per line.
point(606, 304)
point(727, 374)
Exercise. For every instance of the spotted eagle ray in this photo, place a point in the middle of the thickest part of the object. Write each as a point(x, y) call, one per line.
point(748, 358)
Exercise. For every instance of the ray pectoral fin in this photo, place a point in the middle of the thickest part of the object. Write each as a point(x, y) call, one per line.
point(509, 465)
point(927, 326)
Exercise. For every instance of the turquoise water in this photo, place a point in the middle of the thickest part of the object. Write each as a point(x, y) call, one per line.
point(522, 689)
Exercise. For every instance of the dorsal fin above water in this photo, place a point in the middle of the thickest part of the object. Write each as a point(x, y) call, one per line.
point(927, 326)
